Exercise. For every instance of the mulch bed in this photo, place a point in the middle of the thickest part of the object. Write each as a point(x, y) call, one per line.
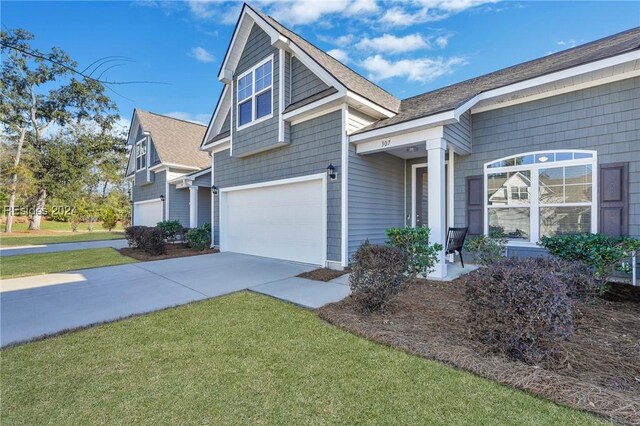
point(173, 250)
point(323, 274)
point(601, 373)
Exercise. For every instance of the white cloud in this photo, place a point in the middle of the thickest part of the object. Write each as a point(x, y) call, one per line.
point(388, 43)
point(568, 44)
point(362, 6)
point(201, 118)
point(224, 13)
point(419, 69)
point(201, 54)
point(441, 42)
point(344, 40)
point(339, 54)
point(427, 11)
point(304, 12)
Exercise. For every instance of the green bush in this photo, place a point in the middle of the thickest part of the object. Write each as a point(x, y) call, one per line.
point(414, 242)
point(605, 255)
point(171, 228)
point(199, 238)
point(109, 218)
point(521, 308)
point(486, 250)
point(377, 274)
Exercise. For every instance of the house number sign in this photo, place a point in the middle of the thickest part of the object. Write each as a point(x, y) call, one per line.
point(385, 143)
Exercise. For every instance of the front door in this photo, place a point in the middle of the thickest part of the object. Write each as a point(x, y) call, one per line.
point(421, 196)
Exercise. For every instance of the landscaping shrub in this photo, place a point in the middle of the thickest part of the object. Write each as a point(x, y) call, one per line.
point(605, 255)
point(576, 276)
point(152, 241)
point(414, 242)
point(377, 274)
point(109, 219)
point(520, 308)
point(171, 228)
point(486, 250)
point(199, 238)
point(133, 235)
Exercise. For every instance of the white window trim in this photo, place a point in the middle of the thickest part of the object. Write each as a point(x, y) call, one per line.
point(137, 153)
point(534, 202)
point(254, 94)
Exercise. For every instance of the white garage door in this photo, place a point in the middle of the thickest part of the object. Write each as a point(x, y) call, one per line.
point(147, 213)
point(282, 220)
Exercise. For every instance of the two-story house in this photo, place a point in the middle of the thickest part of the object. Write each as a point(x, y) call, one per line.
point(309, 159)
point(169, 177)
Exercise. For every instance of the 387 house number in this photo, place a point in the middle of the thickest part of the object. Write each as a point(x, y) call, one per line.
point(385, 143)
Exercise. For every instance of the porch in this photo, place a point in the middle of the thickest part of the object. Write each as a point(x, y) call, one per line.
point(429, 160)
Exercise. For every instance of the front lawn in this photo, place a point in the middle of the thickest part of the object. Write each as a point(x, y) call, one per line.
point(46, 263)
point(36, 238)
point(244, 359)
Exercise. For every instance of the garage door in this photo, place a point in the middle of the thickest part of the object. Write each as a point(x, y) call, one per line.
point(147, 213)
point(281, 220)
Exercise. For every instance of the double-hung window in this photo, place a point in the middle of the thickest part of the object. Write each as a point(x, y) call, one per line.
point(538, 194)
point(141, 154)
point(255, 94)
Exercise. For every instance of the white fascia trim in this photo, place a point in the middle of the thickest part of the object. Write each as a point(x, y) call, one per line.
point(401, 140)
point(293, 115)
point(359, 99)
point(439, 119)
point(216, 123)
point(280, 95)
point(549, 78)
point(133, 130)
point(212, 147)
point(344, 188)
point(174, 165)
point(226, 72)
point(576, 87)
point(318, 70)
point(275, 182)
point(200, 173)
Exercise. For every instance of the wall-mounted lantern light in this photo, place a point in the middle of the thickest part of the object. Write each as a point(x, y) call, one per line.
point(331, 172)
point(214, 190)
point(162, 198)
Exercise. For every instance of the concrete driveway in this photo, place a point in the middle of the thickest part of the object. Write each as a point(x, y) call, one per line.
point(31, 307)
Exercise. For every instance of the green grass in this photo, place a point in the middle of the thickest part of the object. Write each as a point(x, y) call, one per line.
point(51, 225)
point(45, 263)
point(247, 359)
point(26, 239)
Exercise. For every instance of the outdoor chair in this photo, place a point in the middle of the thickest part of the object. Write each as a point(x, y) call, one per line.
point(455, 241)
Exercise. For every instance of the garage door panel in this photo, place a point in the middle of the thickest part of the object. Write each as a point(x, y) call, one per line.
point(147, 213)
point(279, 221)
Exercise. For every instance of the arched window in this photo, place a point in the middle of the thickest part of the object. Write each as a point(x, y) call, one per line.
point(541, 193)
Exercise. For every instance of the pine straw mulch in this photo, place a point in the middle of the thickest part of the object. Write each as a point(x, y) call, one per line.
point(323, 274)
point(601, 372)
point(173, 250)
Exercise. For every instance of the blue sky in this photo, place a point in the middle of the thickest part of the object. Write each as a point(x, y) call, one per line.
point(406, 47)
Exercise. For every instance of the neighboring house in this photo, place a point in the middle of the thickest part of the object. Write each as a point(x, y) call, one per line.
point(548, 146)
point(170, 177)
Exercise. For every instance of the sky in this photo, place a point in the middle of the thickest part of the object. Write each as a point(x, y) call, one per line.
point(407, 47)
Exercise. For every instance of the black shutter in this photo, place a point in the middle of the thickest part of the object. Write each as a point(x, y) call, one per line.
point(613, 199)
point(475, 205)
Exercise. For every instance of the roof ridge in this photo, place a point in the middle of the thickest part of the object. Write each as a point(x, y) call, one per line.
point(172, 118)
point(529, 62)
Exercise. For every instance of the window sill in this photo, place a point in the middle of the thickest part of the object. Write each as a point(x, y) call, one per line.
point(251, 123)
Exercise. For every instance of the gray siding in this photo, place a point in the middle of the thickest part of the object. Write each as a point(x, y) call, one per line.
point(460, 133)
point(376, 197)
point(314, 144)
point(204, 205)
point(604, 118)
point(226, 124)
point(263, 135)
point(179, 205)
point(304, 83)
point(151, 190)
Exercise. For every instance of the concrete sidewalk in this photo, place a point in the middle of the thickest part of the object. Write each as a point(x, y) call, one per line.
point(31, 307)
point(55, 247)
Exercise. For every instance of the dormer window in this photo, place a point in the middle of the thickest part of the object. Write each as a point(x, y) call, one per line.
point(141, 154)
point(255, 102)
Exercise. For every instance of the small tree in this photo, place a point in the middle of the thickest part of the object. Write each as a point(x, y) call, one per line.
point(414, 242)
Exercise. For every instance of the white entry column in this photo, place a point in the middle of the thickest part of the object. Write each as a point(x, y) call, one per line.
point(193, 206)
point(437, 206)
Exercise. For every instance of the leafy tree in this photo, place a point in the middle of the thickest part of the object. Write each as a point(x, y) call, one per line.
point(39, 89)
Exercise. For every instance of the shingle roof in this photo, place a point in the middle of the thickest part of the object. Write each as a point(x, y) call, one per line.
point(176, 141)
point(451, 97)
point(345, 75)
